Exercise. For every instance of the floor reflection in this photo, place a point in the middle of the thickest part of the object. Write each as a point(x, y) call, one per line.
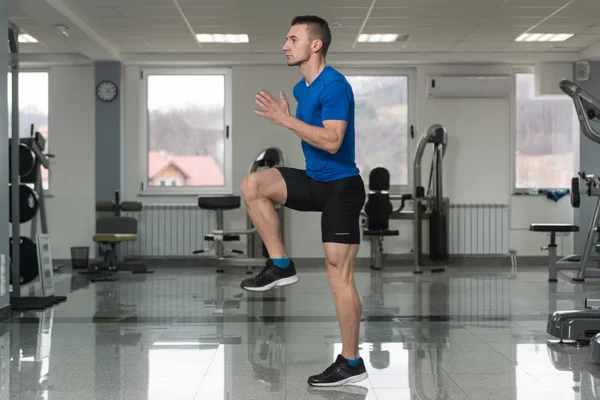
point(464, 334)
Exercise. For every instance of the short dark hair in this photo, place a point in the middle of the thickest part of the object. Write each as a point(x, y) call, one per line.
point(318, 29)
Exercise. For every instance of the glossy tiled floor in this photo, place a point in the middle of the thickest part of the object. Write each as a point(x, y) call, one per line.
point(468, 333)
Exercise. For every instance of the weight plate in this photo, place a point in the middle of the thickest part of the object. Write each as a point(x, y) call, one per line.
point(28, 270)
point(29, 203)
point(575, 195)
point(26, 159)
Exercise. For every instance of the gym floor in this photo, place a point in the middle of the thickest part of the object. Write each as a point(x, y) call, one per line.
point(183, 333)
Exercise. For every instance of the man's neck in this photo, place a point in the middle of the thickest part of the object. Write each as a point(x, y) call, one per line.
point(311, 69)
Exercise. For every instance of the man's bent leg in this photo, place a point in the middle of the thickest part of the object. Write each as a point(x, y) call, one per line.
point(340, 259)
point(259, 190)
point(288, 187)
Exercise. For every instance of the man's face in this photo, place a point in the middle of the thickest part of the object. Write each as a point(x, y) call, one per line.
point(297, 47)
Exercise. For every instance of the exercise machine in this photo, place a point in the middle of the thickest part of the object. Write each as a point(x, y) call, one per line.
point(433, 201)
point(430, 205)
point(573, 261)
point(378, 209)
point(579, 326)
point(588, 109)
point(269, 158)
point(111, 230)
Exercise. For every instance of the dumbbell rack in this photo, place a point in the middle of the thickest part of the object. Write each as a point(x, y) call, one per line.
point(26, 205)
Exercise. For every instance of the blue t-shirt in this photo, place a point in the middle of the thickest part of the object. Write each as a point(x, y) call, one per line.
point(328, 97)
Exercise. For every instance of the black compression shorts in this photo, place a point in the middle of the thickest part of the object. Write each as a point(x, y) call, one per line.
point(340, 203)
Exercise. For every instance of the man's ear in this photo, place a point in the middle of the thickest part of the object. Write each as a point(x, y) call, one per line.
point(316, 45)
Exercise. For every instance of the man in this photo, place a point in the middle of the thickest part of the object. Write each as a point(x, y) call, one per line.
point(330, 184)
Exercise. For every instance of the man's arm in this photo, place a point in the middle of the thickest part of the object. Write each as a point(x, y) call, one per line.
point(336, 111)
point(328, 138)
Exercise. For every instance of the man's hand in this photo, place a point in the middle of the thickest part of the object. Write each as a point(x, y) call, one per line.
point(275, 111)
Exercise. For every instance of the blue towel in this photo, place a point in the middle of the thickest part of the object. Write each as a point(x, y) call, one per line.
point(555, 194)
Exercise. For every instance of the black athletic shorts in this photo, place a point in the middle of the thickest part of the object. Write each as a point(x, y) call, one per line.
point(340, 203)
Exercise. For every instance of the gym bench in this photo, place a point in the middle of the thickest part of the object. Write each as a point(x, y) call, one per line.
point(554, 264)
point(111, 231)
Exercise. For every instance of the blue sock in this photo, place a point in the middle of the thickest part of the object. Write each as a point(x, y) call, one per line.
point(281, 262)
point(353, 363)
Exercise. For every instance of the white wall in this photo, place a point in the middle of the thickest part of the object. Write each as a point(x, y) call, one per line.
point(71, 127)
point(477, 166)
point(478, 163)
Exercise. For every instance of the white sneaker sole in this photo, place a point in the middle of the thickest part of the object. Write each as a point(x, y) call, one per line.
point(352, 379)
point(343, 389)
point(281, 282)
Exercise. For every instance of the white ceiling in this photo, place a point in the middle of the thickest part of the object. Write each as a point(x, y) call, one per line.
point(113, 29)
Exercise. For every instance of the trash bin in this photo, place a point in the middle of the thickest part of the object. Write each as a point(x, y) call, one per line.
point(80, 257)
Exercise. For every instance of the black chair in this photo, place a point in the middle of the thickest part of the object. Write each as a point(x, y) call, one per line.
point(268, 158)
point(219, 235)
point(378, 210)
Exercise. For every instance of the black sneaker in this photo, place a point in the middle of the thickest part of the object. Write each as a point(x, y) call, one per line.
point(271, 276)
point(340, 373)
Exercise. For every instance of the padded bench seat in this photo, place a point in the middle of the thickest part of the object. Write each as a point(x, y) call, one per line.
point(378, 232)
point(553, 228)
point(219, 202)
point(228, 237)
point(114, 237)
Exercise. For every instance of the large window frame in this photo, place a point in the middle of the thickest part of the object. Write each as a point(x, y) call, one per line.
point(228, 132)
point(513, 138)
point(411, 75)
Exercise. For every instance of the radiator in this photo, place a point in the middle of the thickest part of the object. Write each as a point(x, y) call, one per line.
point(170, 230)
point(178, 229)
point(478, 228)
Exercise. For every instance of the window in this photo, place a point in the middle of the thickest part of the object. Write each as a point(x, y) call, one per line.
point(382, 124)
point(169, 182)
point(547, 138)
point(187, 115)
point(33, 108)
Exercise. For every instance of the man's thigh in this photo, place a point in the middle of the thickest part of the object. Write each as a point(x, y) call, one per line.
point(340, 221)
point(300, 189)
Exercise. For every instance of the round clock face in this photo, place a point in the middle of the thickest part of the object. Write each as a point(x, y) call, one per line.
point(107, 91)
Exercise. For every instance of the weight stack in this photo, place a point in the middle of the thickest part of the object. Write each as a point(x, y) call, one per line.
point(438, 234)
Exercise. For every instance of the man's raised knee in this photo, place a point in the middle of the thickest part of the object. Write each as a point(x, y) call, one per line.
point(264, 184)
point(250, 187)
